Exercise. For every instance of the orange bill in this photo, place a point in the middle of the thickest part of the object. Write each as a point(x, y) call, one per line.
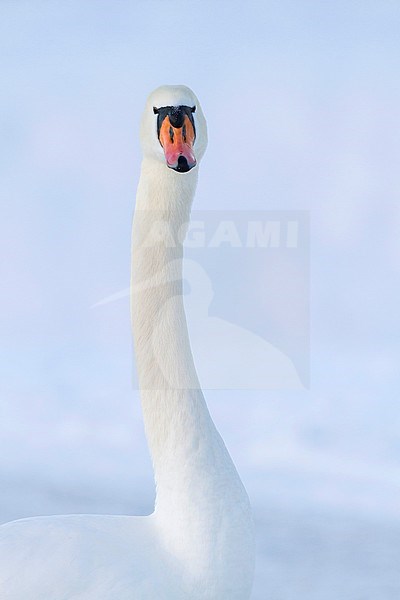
point(177, 143)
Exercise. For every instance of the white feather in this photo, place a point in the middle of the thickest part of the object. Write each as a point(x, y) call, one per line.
point(198, 544)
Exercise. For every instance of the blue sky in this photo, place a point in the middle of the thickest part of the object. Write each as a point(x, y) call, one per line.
point(302, 104)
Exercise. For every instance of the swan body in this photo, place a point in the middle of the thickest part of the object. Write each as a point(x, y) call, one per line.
point(198, 544)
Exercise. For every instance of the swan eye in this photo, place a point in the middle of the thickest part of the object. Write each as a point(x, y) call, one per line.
point(155, 110)
point(193, 109)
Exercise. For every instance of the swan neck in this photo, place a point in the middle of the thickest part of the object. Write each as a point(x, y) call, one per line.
point(170, 391)
point(202, 509)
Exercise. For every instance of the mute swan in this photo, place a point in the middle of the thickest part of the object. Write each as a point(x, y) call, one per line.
point(198, 543)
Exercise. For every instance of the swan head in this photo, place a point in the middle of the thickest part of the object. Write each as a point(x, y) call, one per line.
point(173, 128)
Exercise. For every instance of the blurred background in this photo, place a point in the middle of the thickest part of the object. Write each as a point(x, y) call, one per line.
point(302, 101)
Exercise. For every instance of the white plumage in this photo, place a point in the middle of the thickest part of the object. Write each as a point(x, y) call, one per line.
point(198, 544)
